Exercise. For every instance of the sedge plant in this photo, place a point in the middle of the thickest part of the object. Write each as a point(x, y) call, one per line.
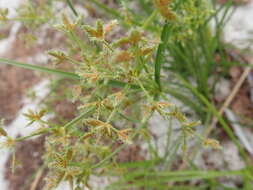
point(119, 84)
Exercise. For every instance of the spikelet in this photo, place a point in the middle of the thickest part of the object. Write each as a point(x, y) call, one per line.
point(87, 136)
point(67, 24)
point(134, 37)
point(53, 181)
point(145, 51)
point(91, 31)
point(192, 124)
point(8, 143)
point(100, 29)
point(110, 25)
point(123, 56)
point(94, 122)
point(59, 56)
point(163, 104)
point(212, 143)
point(124, 137)
point(3, 14)
point(69, 154)
point(178, 115)
point(2, 131)
point(165, 11)
point(59, 161)
point(92, 76)
point(33, 116)
point(106, 127)
point(97, 33)
point(76, 92)
point(118, 96)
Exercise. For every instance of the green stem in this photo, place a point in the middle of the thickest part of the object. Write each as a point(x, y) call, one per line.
point(149, 19)
point(81, 116)
point(67, 125)
point(64, 74)
point(143, 124)
point(70, 4)
point(220, 119)
point(39, 68)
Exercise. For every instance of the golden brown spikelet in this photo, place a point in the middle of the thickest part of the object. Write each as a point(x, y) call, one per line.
point(94, 122)
point(212, 143)
point(123, 56)
point(92, 76)
point(164, 2)
point(165, 11)
point(3, 132)
point(145, 51)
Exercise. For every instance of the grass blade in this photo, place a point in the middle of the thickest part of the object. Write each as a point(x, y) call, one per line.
point(64, 74)
point(70, 4)
point(160, 53)
point(39, 68)
point(215, 112)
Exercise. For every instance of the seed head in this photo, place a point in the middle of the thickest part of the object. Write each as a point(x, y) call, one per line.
point(124, 137)
point(165, 11)
point(212, 143)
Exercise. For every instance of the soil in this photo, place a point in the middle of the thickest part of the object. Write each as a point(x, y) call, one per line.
point(14, 83)
point(130, 154)
point(29, 158)
point(4, 32)
point(33, 149)
point(242, 103)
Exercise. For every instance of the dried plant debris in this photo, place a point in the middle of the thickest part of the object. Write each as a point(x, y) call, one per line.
point(242, 103)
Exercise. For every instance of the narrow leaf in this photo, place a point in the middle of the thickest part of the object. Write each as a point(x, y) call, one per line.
point(39, 68)
point(160, 53)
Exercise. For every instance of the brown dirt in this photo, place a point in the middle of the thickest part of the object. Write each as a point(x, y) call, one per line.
point(22, 48)
point(110, 3)
point(28, 154)
point(241, 104)
point(4, 32)
point(129, 154)
point(14, 83)
point(33, 149)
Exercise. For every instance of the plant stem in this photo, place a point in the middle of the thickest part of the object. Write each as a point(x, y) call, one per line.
point(39, 68)
point(67, 125)
point(149, 19)
point(220, 119)
point(74, 76)
point(70, 4)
